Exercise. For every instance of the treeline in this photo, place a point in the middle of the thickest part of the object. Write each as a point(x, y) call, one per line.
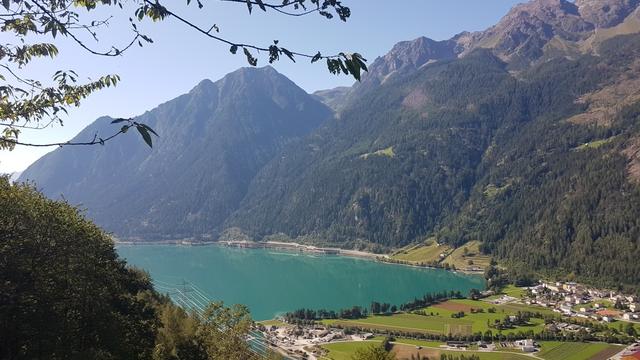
point(569, 206)
point(431, 299)
point(459, 357)
point(430, 264)
point(610, 336)
point(65, 294)
point(556, 197)
point(302, 316)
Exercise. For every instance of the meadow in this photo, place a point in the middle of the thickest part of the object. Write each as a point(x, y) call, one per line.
point(554, 350)
point(439, 320)
point(468, 255)
point(550, 350)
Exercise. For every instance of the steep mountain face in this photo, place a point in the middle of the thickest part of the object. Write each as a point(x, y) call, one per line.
point(404, 57)
point(522, 34)
point(531, 33)
point(538, 30)
point(212, 142)
point(541, 166)
point(395, 164)
point(525, 137)
point(333, 98)
point(604, 14)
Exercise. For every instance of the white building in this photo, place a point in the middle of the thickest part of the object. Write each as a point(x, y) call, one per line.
point(526, 345)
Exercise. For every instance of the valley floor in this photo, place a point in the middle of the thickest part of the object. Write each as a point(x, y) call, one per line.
point(329, 340)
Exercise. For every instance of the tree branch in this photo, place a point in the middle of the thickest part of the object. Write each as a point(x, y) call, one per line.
point(96, 141)
point(79, 42)
point(229, 42)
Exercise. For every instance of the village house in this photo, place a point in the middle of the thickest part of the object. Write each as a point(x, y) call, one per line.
point(566, 308)
point(526, 345)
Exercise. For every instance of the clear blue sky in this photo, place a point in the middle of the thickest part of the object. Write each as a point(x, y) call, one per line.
point(180, 57)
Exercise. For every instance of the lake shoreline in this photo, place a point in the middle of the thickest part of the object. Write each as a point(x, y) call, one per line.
point(293, 247)
point(276, 245)
point(272, 282)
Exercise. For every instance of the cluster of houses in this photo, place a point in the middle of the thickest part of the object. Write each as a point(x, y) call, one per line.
point(304, 340)
point(573, 299)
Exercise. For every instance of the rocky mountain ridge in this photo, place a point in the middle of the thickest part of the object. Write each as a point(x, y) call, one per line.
point(523, 137)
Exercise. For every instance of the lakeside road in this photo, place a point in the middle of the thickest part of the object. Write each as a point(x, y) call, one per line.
point(263, 244)
point(315, 249)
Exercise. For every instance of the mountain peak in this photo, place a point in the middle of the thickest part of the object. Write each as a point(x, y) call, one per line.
point(407, 56)
point(606, 13)
point(242, 74)
point(250, 71)
point(212, 142)
point(528, 30)
point(527, 27)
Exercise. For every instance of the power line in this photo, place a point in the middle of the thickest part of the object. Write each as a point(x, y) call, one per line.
point(191, 298)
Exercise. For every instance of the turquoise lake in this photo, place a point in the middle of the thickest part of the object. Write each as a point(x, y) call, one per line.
point(272, 282)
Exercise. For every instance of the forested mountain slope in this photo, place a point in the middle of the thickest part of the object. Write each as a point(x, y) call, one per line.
point(562, 193)
point(541, 166)
point(212, 142)
point(525, 137)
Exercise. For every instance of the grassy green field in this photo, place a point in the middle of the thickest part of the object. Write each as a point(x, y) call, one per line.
point(442, 320)
point(513, 291)
point(388, 152)
point(595, 144)
point(551, 350)
point(344, 350)
point(469, 252)
point(554, 350)
point(405, 322)
point(404, 348)
point(428, 252)
point(466, 256)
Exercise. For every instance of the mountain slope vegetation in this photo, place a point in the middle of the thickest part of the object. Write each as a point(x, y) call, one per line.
point(523, 138)
point(509, 167)
point(212, 142)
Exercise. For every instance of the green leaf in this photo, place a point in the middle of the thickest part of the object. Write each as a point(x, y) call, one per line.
point(249, 5)
point(316, 57)
point(261, 4)
point(250, 59)
point(150, 129)
point(116, 121)
point(353, 67)
point(145, 135)
point(6, 4)
point(288, 53)
point(341, 65)
point(361, 61)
